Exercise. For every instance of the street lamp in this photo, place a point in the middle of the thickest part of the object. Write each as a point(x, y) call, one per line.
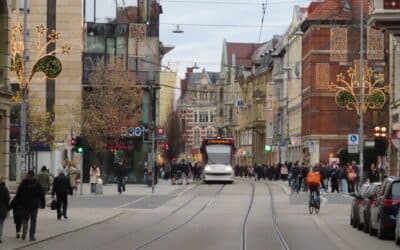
point(380, 144)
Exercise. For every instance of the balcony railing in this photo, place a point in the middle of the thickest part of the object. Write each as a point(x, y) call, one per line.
point(384, 6)
point(385, 14)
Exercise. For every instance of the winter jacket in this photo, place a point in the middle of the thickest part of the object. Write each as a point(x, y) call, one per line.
point(30, 194)
point(44, 180)
point(94, 174)
point(4, 201)
point(121, 171)
point(61, 186)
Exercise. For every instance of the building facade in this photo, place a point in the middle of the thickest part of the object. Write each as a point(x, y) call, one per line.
point(385, 16)
point(287, 77)
point(5, 95)
point(129, 34)
point(52, 96)
point(330, 46)
point(197, 107)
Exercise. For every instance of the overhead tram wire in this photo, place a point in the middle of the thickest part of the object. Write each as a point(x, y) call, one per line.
point(227, 25)
point(234, 3)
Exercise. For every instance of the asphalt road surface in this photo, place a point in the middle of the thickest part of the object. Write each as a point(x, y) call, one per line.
point(245, 215)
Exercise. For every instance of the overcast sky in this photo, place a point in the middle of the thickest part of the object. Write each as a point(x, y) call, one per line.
point(203, 44)
point(206, 23)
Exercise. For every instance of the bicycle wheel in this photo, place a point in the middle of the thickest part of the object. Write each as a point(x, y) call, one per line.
point(310, 208)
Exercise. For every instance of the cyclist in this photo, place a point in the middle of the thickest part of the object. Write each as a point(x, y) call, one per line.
point(313, 181)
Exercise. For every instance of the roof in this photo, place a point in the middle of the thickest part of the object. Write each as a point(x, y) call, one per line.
point(242, 51)
point(335, 10)
point(195, 77)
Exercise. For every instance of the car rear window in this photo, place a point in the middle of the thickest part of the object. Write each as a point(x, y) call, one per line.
point(396, 190)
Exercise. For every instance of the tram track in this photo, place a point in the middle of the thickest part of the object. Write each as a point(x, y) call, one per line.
point(177, 227)
point(282, 240)
point(157, 222)
point(244, 229)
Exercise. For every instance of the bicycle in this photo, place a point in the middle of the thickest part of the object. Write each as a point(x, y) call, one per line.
point(314, 204)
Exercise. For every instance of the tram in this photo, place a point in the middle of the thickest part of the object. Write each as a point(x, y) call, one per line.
point(217, 155)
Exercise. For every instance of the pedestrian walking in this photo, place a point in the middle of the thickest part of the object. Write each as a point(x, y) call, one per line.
point(73, 177)
point(30, 194)
point(121, 173)
point(18, 213)
point(44, 179)
point(61, 188)
point(94, 177)
point(4, 201)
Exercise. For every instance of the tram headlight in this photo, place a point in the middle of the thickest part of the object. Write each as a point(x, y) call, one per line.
point(207, 168)
point(228, 168)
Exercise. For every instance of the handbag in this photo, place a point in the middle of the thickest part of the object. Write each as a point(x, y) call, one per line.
point(53, 205)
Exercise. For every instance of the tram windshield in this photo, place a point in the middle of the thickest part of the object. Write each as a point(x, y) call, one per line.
point(219, 154)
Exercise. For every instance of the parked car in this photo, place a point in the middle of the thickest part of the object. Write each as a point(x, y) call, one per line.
point(365, 206)
point(355, 205)
point(384, 208)
point(397, 229)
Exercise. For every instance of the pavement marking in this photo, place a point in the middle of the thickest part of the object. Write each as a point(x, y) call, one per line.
point(69, 232)
point(132, 202)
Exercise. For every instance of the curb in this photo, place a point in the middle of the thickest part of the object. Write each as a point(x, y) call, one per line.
point(68, 232)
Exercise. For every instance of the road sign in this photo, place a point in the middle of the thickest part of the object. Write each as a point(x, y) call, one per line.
point(352, 139)
point(352, 149)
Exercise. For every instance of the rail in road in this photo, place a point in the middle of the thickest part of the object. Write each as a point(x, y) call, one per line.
point(278, 233)
point(149, 242)
point(244, 246)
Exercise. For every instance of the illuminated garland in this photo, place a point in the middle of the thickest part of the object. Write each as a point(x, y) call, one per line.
point(47, 63)
point(346, 91)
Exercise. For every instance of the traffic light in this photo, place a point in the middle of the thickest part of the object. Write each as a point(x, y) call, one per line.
point(78, 145)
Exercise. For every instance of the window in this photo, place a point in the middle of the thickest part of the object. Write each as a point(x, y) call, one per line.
point(210, 133)
point(203, 96)
point(203, 116)
point(196, 137)
point(212, 118)
point(195, 117)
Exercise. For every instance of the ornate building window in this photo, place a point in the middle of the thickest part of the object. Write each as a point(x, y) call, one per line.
point(196, 137)
point(203, 116)
point(339, 44)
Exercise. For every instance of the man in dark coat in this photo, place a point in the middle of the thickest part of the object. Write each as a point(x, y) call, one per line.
point(30, 195)
point(4, 201)
point(61, 188)
point(121, 172)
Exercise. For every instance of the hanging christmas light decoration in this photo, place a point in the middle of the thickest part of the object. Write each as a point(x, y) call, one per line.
point(347, 90)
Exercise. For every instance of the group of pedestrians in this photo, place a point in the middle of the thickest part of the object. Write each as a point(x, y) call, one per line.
point(30, 197)
point(262, 171)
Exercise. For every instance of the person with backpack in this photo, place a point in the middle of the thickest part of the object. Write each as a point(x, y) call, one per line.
point(313, 183)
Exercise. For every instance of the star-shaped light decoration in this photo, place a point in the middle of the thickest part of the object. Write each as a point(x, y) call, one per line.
point(65, 48)
point(54, 36)
point(40, 29)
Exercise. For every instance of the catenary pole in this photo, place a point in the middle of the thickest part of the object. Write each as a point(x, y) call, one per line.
point(361, 97)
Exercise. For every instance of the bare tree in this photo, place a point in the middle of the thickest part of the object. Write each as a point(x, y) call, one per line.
point(111, 101)
point(174, 131)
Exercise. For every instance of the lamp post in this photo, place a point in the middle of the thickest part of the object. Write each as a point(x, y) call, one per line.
point(361, 96)
point(46, 63)
point(380, 134)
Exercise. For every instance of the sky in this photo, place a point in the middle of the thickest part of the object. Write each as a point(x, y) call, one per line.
point(206, 23)
point(203, 44)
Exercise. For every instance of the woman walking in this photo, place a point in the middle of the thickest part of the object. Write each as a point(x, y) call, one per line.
point(4, 201)
point(94, 177)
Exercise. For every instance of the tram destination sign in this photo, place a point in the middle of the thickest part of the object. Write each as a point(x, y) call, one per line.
point(218, 141)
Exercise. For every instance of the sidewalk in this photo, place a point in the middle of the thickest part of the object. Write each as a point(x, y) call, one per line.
point(78, 218)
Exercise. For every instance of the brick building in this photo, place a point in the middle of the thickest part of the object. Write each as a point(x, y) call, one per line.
point(330, 46)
